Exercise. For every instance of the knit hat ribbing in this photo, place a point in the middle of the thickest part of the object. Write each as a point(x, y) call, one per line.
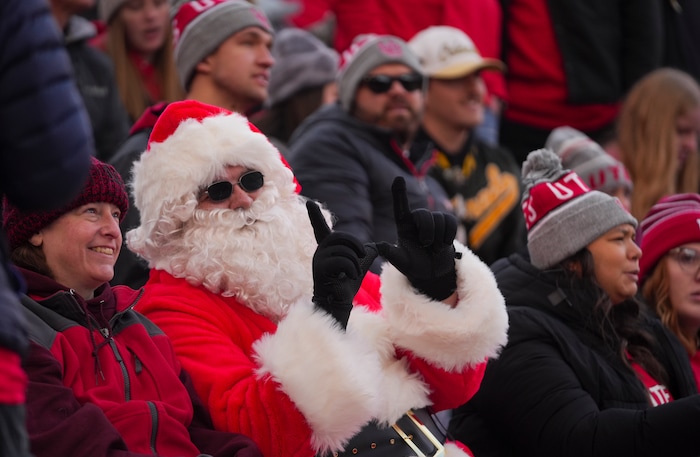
point(366, 53)
point(301, 61)
point(561, 213)
point(598, 169)
point(199, 28)
point(104, 184)
point(673, 221)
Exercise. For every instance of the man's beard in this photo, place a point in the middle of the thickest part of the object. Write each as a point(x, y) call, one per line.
point(403, 127)
point(261, 256)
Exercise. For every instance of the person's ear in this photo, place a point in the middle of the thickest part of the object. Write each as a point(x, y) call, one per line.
point(37, 240)
point(205, 65)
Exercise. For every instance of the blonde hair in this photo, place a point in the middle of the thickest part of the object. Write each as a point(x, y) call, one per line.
point(646, 137)
point(656, 292)
point(132, 91)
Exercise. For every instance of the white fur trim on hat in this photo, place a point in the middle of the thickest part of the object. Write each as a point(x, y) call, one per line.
point(452, 338)
point(330, 375)
point(169, 176)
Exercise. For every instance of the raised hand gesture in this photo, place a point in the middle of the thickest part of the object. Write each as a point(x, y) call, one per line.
point(339, 266)
point(424, 252)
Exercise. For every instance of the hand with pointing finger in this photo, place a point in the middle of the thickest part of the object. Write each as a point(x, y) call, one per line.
point(339, 266)
point(424, 252)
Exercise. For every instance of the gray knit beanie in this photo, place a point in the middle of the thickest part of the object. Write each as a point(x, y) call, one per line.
point(301, 61)
point(562, 214)
point(598, 169)
point(366, 53)
point(200, 28)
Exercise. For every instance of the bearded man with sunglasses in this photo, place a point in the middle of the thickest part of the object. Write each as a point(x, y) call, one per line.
point(347, 154)
point(274, 315)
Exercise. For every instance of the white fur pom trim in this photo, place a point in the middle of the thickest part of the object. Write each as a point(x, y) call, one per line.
point(329, 375)
point(452, 450)
point(400, 388)
point(451, 338)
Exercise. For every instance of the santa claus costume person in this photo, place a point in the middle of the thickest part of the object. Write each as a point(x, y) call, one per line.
point(286, 338)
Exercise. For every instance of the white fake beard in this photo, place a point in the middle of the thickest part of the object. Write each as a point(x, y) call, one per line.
point(262, 256)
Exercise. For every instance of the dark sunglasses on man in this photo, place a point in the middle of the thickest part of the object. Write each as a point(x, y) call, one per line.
point(380, 84)
point(249, 181)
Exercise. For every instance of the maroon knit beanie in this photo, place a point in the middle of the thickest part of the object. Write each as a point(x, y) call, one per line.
point(103, 185)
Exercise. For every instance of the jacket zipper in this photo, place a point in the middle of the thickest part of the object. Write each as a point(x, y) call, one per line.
point(122, 366)
point(154, 425)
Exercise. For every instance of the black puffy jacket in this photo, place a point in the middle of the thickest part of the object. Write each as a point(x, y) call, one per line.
point(560, 389)
point(45, 149)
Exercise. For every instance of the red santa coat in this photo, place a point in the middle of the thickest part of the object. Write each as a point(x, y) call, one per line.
point(304, 386)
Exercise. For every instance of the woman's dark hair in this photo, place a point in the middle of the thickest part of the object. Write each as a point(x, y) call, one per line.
point(622, 324)
point(32, 258)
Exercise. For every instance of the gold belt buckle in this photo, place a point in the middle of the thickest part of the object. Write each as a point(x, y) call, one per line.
point(440, 449)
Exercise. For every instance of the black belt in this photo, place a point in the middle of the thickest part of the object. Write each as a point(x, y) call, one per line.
point(415, 434)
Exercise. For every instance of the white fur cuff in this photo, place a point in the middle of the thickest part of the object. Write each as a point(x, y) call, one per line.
point(329, 375)
point(451, 338)
point(452, 450)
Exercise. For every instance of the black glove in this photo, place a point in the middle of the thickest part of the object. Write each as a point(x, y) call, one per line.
point(424, 252)
point(339, 266)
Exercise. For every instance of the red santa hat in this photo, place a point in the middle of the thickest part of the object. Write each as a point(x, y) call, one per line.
point(191, 145)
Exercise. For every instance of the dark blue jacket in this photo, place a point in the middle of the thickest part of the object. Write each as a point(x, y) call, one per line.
point(45, 149)
point(45, 139)
point(350, 165)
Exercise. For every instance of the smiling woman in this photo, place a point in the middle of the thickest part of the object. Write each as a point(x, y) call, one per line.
point(77, 245)
point(92, 358)
point(81, 246)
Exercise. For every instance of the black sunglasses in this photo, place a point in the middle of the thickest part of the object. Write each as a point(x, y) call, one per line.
point(221, 190)
point(380, 84)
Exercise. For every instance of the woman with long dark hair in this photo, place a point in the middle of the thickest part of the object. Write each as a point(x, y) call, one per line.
point(587, 371)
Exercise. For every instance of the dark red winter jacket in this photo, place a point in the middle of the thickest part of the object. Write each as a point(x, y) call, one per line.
point(105, 381)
